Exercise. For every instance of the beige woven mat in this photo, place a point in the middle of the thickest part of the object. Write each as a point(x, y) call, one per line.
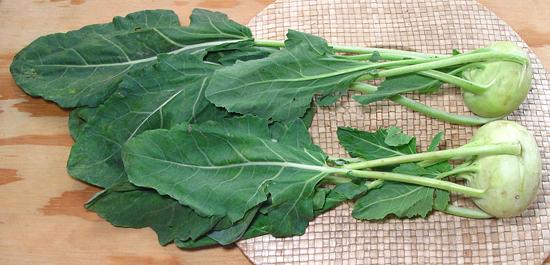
point(429, 26)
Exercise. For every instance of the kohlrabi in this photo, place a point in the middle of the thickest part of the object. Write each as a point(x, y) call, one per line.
point(505, 83)
point(495, 80)
point(502, 170)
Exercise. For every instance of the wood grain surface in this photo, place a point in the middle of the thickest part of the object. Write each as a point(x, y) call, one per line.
point(42, 219)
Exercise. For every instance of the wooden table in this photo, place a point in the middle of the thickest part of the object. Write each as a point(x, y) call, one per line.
point(42, 220)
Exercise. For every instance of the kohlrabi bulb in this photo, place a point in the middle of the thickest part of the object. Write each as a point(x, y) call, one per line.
point(510, 182)
point(507, 82)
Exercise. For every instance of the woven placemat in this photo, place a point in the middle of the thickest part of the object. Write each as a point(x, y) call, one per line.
point(429, 26)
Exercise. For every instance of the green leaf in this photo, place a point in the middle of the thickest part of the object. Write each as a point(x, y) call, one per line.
point(83, 67)
point(402, 200)
point(159, 96)
point(394, 198)
point(399, 85)
point(441, 200)
point(436, 141)
point(319, 198)
point(293, 133)
point(375, 57)
point(307, 118)
point(282, 85)
point(126, 205)
point(349, 190)
point(258, 227)
point(78, 119)
point(236, 231)
point(223, 175)
point(330, 99)
point(324, 200)
point(372, 145)
point(396, 137)
point(189, 224)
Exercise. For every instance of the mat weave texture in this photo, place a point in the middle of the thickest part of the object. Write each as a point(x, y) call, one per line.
point(427, 26)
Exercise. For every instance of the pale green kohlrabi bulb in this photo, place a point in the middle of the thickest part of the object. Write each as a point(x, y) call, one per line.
point(508, 83)
point(510, 182)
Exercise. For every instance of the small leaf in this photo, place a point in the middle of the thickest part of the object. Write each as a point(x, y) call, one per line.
point(436, 141)
point(307, 118)
point(441, 200)
point(372, 145)
point(396, 137)
point(234, 232)
point(350, 190)
point(398, 85)
point(400, 199)
point(230, 57)
point(375, 57)
point(329, 99)
point(319, 198)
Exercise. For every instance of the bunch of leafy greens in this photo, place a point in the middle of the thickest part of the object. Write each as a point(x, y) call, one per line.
point(161, 121)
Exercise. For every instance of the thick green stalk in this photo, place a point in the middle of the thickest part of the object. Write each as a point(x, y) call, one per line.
point(454, 80)
point(461, 152)
point(450, 78)
point(446, 62)
point(440, 114)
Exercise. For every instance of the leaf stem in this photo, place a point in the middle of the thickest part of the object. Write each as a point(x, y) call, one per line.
point(490, 149)
point(440, 114)
point(358, 50)
point(466, 212)
point(423, 181)
point(451, 79)
point(446, 62)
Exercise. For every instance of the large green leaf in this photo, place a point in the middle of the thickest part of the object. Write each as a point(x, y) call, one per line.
point(220, 174)
point(124, 204)
point(282, 85)
point(159, 96)
point(83, 67)
point(372, 145)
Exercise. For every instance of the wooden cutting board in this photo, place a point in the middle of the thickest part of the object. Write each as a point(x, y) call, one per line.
point(42, 219)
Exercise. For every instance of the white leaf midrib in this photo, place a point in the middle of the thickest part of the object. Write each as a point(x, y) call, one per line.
point(144, 60)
